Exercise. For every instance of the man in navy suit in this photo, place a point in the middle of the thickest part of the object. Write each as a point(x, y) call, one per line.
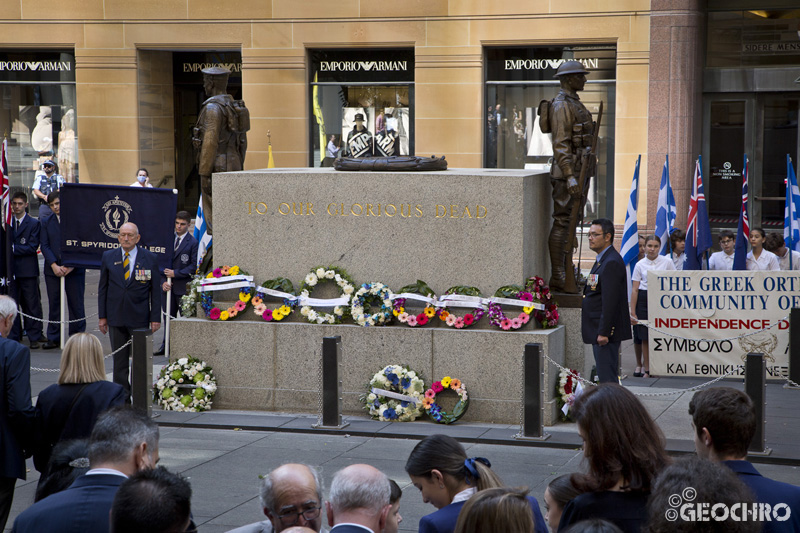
point(74, 278)
point(605, 321)
point(25, 287)
point(16, 412)
point(128, 296)
point(724, 422)
point(184, 265)
point(123, 442)
point(359, 500)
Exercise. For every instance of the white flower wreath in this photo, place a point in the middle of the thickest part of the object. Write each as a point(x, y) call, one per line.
point(187, 384)
point(322, 274)
point(399, 395)
point(369, 292)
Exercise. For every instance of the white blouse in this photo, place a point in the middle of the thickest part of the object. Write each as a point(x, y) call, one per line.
point(662, 262)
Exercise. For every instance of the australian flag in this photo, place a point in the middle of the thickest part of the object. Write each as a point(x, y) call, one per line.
point(743, 232)
point(698, 229)
point(6, 238)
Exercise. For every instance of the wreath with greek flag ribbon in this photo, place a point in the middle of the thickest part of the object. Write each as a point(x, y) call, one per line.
point(364, 298)
point(276, 288)
point(418, 291)
point(435, 410)
point(225, 278)
point(321, 275)
point(511, 295)
point(461, 296)
point(394, 394)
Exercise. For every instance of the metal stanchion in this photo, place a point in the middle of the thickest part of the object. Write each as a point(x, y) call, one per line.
point(331, 396)
point(755, 384)
point(794, 347)
point(533, 394)
point(142, 370)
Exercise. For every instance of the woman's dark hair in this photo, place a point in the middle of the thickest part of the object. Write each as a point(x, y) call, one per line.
point(396, 493)
point(498, 509)
point(593, 525)
point(562, 490)
point(60, 474)
point(447, 455)
point(652, 238)
point(621, 441)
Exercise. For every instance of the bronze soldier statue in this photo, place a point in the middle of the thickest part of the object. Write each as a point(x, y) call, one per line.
point(572, 128)
point(219, 138)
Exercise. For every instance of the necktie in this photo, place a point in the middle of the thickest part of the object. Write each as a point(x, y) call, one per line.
point(177, 242)
point(125, 264)
point(16, 225)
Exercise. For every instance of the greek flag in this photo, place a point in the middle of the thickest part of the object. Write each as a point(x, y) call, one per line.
point(791, 214)
point(667, 212)
point(201, 232)
point(630, 235)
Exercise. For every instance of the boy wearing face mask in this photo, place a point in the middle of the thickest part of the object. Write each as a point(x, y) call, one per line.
point(142, 179)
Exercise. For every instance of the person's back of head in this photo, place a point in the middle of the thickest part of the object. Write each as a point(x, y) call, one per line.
point(594, 525)
point(124, 437)
point(8, 313)
point(692, 484)
point(359, 494)
point(448, 456)
point(68, 461)
point(152, 500)
point(498, 509)
point(725, 422)
point(82, 360)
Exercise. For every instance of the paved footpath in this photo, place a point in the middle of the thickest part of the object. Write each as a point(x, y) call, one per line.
point(223, 452)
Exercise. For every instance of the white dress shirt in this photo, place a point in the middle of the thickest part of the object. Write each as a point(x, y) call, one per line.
point(721, 261)
point(766, 261)
point(662, 262)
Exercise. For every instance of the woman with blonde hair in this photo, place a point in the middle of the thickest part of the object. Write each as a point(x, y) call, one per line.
point(492, 510)
point(69, 409)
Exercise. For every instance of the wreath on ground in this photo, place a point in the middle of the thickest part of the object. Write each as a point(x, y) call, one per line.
point(435, 410)
point(541, 293)
point(451, 319)
point(411, 319)
point(245, 293)
point(321, 275)
point(286, 291)
point(394, 394)
point(187, 384)
point(190, 299)
point(367, 295)
point(496, 315)
point(567, 390)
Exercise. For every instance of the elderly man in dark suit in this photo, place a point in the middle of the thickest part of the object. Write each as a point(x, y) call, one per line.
point(123, 442)
point(25, 287)
point(359, 500)
point(74, 278)
point(184, 265)
point(605, 321)
point(16, 412)
point(129, 296)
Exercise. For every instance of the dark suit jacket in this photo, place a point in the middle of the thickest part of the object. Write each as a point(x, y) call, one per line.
point(772, 492)
point(184, 263)
point(16, 412)
point(53, 407)
point(627, 510)
point(82, 508)
point(347, 528)
point(135, 303)
point(605, 301)
point(444, 520)
point(26, 243)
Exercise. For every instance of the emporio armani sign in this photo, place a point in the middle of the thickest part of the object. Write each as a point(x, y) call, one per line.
point(544, 64)
point(355, 66)
point(43, 66)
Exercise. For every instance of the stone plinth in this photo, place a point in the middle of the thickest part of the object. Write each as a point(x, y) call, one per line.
point(480, 227)
point(275, 367)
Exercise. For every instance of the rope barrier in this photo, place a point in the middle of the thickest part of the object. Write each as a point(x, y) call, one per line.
point(36, 369)
point(19, 311)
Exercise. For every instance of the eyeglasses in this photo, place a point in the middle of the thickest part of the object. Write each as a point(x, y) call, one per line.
point(726, 241)
point(290, 519)
point(48, 166)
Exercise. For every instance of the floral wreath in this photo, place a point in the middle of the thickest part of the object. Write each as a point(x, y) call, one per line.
point(245, 293)
point(190, 299)
point(566, 391)
point(187, 384)
point(498, 318)
point(404, 400)
point(322, 274)
point(541, 292)
point(435, 410)
point(410, 319)
point(279, 313)
point(468, 319)
point(361, 302)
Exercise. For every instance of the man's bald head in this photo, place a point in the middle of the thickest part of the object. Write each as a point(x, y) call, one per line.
point(128, 236)
point(291, 489)
point(360, 487)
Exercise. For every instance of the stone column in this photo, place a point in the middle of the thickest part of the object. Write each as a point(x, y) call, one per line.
point(677, 29)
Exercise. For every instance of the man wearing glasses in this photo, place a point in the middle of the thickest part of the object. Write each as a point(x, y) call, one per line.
point(605, 321)
point(723, 260)
point(44, 184)
point(291, 495)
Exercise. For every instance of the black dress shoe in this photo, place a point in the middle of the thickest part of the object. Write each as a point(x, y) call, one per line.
point(34, 346)
point(159, 352)
point(49, 345)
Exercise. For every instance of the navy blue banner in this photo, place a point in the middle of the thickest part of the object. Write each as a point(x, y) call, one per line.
point(91, 216)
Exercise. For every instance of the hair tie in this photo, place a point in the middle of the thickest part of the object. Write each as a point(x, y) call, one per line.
point(80, 462)
point(472, 472)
